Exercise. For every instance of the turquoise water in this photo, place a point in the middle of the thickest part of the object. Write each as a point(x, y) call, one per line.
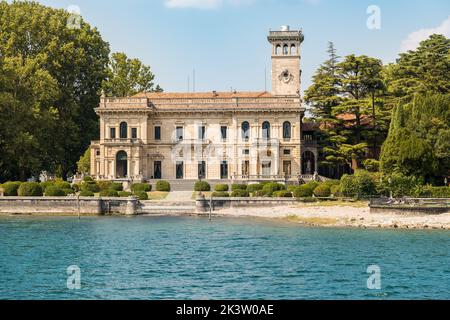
point(192, 258)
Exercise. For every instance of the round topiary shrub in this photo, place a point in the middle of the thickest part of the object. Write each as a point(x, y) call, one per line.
point(68, 192)
point(46, 184)
point(109, 193)
point(124, 194)
point(202, 186)
point(10, 188)
point(104, 185)
point(303, 191)
point(322, 191)
point(221, 188)
point(237, 186)
point(282, 194)
point(119, 186)
point(163, 186)
point(141, 187)
point(62, 184)
point(252, 188)
point(30, 189)
point(240, 194)
point(91, 187)
point(86, 193)
point(141, 195)
point(54, 191)
point(272, 187)
point(291, 188)
point(220, 194)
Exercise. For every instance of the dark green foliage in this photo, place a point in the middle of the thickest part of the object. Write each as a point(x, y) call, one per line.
point(10, 188)
point(76, 187)
point(361, 184)
point(119, 186)
point(336, 191)
point(221, 188)
point(88, 179)
point(163, 186)
point(124, 194)
point(282, 194)
point(86, 194)
point(238, 186)
point(399, 185)
point(109, 193)
point(303, 191)
point(272, 187)
point(30, 189)
point(252, 188)
point(104, 184)
point(309, 200)
point(54, 191)
point(141, 187)
point(239, 193)
point(202, 186)
point(436, 192)
point(322, 191)
point(220, 194)
point(141, 195)
point(371, 165)
point(91, 187)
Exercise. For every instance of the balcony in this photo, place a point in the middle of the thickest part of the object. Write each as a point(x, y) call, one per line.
point(123, 142)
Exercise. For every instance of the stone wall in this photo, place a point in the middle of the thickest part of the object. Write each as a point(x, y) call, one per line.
point(67, 206)
point(203, 204)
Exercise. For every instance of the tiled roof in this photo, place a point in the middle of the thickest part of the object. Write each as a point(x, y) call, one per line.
point(203, 95)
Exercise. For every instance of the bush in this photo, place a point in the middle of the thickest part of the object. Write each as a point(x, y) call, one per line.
point(272, 187)
point(104, 185)
point(221, 188)
point(220, 194)
point(91, 187)
point(291, 188)
point(202, 186)
point(361, 184)
point(62, 184)
point(348, 185)
point(238, 186)
point(371, 165)
point(86, 194)
point(119, 187)
point(68, 192)
point(336, 191)
point(322, 191)
point(54, 191)
point(141, 187)
point(163, 186)
point(303, 191)
point(434, 192)
point(282, 194)
point(240, 193)
point(10, 188)
point(332, 183)
point(141, 195)
point(400, 186)
point(46, 184)
point(30, 189)
point(252, 188)
point(124, 194)
point(109, 193)
point(88, 179)
point(76, 187)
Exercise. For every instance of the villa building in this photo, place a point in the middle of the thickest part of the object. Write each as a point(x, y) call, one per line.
point(212, 135)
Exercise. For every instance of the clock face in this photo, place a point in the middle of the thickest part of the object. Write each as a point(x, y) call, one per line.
point(286, 76)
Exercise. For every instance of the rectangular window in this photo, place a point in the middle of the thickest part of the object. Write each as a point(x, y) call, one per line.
point(287, 152)
point(224, 132)
point(180, 133)
point(180, 170)
point(112, 133)
point(224, 170)
point(202, 170)
point(246, 152)
point(202, 133)
point(134, 134)
point(158, 133)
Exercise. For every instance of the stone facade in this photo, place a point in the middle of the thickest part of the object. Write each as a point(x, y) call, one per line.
point(214, 135)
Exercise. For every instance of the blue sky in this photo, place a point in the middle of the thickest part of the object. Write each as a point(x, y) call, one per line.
point(225, 40)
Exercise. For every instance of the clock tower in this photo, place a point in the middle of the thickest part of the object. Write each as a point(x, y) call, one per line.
point(286, 73)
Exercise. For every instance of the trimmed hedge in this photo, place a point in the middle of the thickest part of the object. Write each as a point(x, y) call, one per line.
point(30, 189)
point(163, 186)
point(322, 191)
point(252, 188)
point(240, 194)
point(86, 194)
point(54, 191)
point(272, 187)
point(303, 191)
point(221, 188)
point(91, 187)
point(10, 188)
point(282, 194)
point(109, 193)
point(220, 194)
point(141, 195)
point(124, 194)
point(118, 186)
point(238, 186)
point(104, 184)
point(141, 187)
point(202, 186)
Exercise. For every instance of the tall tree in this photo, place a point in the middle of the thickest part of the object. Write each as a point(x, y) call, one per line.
point(127, 77)
point(61, 69)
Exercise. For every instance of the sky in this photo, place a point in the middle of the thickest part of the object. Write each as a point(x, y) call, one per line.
point(225, 41)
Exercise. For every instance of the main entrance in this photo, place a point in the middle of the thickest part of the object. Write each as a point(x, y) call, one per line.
point(121, 164)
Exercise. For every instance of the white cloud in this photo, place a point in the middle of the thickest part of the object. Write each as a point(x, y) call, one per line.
point(414, 38)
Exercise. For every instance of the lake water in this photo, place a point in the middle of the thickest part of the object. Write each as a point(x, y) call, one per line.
point(192, 258)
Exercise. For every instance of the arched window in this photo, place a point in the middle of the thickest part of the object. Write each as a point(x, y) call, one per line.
point(245, 130)
point(277, 50)
point(123, 130)
point(287, 130)
point(266, 130)
point(286, 50)
point(293, 49)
